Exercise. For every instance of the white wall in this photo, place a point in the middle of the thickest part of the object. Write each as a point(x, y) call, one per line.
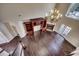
point(3, 38)
point(11, 29)
point(5, 31)
point(20, 28)
point(9, 32)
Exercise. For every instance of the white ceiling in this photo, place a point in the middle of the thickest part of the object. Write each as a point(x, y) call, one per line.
point(26, 10)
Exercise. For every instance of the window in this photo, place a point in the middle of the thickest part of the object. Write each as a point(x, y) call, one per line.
point(64, 30)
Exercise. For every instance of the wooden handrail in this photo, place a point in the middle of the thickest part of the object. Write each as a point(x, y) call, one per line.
point(2, 50)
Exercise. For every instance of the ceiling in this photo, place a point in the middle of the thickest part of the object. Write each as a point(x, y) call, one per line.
point(24, 11)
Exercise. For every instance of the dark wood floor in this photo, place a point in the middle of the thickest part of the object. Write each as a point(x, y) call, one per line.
point(42, 44)
point(48, 43)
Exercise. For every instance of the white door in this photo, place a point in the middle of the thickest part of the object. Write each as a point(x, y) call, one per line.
point(61, 29)
point(64, 30)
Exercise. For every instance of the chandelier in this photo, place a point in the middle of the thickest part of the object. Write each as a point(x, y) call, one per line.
point(54, 15)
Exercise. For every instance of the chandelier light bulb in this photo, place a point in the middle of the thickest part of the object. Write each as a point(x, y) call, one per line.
point(51, 11)
point(57, 11)
point(61, 15)
point(46, 14)
point(52, 17)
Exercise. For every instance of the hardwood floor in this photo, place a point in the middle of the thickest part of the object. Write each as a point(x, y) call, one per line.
point(42, 44)
point(47, 43)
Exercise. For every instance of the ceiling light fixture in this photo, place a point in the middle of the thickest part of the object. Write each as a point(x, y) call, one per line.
point(54, 15)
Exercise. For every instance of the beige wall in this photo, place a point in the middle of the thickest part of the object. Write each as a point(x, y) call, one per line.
point(73, 36)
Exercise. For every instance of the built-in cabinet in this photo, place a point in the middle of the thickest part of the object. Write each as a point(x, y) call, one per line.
point(35, 24)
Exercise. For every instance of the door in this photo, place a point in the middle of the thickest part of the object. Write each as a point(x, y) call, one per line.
point(64, 30)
